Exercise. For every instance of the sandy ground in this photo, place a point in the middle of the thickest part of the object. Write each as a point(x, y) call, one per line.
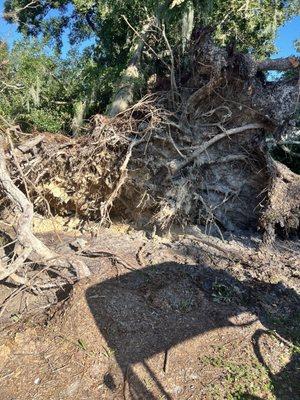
point(166, 319)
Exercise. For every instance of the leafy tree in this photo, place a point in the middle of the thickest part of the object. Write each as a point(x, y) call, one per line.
point(116, 62)
point(30, 88)
point(41, 91)
point(251, 23)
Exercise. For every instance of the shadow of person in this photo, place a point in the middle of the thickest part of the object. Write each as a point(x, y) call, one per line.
point(149, 311)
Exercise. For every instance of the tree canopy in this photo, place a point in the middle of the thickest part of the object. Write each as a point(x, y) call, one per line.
point(251, 23)
point(57, 94)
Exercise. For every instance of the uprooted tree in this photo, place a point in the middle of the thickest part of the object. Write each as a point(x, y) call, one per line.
point(193, 150)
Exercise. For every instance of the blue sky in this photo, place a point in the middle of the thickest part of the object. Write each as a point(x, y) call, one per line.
point(286, 35)
point(7, 31)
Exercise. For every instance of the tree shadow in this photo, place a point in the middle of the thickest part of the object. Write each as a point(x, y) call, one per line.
point(149, 311)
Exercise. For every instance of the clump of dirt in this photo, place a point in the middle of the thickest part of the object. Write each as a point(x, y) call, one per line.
point(283, 211)
point(166, 319)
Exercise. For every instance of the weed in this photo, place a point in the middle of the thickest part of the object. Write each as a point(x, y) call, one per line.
point(216, 361)
point(148, 383)
point(81, 344)
point(241, 382)
point(186, 305)
point(108, 352)
point(15, 317)
point(222, 293)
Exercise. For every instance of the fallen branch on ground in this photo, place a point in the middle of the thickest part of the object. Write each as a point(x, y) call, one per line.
point(27, 241)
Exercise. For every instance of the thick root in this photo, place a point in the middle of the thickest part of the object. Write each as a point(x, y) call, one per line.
point(27, 242)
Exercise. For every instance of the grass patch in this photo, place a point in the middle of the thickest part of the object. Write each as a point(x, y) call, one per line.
point(241, 382)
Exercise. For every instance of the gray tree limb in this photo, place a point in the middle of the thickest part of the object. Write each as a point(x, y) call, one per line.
point(28, 241)
point(278, 64)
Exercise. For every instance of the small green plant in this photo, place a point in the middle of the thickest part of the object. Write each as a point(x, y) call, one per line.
point(222, 293)
point(148, 383)
point(15, 317)
point(81, 344)
point(296, 349)
point(217, 360)
point(242, 382)
point(108, 352)
point(185, 305)
point(214, 361)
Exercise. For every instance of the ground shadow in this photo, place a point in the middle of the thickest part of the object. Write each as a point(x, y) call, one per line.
point(148, 311)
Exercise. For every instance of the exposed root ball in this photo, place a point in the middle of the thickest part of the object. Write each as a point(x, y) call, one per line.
point(201, 160)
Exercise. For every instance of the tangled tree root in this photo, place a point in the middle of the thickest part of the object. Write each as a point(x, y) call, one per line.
point(283, 207)
point(27, 242)
point(201, 160)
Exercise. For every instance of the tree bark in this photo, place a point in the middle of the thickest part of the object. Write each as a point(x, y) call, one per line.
point(125, 94)
point(25, 237)
point(279, 64)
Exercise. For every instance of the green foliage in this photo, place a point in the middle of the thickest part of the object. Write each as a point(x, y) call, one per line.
point(51, 89)
point(40, 91)
point(252, 23)
point(222, 293)
point(239, 381)
point(30, 88)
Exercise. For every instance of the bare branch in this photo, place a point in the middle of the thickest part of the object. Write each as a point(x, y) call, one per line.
point(14, 14)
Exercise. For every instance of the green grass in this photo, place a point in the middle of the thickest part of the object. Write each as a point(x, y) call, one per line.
point(222, 293)
point(242, 381)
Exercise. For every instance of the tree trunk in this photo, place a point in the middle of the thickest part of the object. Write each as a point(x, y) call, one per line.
point(130, 77)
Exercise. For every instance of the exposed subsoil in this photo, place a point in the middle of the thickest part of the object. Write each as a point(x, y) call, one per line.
point(160, 318)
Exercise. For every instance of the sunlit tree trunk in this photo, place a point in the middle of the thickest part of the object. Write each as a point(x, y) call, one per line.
point(130, 76)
